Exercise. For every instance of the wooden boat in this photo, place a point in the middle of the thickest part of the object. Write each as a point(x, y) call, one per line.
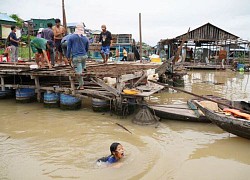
point(182, 112)
point(235, 125)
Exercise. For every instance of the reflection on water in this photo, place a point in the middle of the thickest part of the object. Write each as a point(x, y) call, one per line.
point(230, 148)
point(39, 143)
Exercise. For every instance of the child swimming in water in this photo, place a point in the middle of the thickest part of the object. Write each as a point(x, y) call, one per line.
point(117, 152)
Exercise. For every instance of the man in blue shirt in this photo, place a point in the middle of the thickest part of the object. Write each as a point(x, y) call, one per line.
point(78, 46)
point(14, 44)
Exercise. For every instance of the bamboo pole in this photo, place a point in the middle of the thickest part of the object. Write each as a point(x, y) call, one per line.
point(140, 37)
point(202, 97)
point(64, 17)
point(29, 40)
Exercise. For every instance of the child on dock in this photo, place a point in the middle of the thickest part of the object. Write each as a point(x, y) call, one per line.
point(117, 153)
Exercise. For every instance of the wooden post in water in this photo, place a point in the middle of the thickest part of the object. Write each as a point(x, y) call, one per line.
point(2, 83)
point(140, 37)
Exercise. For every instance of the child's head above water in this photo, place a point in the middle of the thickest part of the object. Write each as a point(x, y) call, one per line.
point(117, 150)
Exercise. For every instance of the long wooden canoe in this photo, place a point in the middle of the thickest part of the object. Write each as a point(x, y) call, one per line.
point(229, 123)
point(181, 112)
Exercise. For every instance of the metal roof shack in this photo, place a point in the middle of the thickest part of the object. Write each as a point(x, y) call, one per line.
point(5, 23)
point(202, 44)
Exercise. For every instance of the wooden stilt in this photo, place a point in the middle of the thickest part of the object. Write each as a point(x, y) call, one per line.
point(72, 85)
point(2, 84)
point(38, 88)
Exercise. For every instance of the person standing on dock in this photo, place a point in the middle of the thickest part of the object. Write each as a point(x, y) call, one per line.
point(39, 47)
point(14, 44)
point(125, 54)
point(78, 46)
point(106, 41)
point(59, 32)
point(48, 34)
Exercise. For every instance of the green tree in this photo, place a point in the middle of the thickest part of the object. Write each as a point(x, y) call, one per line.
point(18, 20)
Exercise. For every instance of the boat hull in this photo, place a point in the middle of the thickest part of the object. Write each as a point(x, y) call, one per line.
point(236, 126)
point(180, 112)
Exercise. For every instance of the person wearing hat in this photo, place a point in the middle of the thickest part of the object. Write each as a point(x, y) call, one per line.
point(39, 33)
point(77, 48)
point(40, 46)
point(106, 41)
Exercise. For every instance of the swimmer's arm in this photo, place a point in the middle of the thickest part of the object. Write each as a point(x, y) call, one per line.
point(116, 165)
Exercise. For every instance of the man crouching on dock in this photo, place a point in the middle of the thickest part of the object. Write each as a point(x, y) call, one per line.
point(39, 47)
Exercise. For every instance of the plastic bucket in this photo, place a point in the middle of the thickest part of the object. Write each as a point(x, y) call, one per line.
point(68, 102)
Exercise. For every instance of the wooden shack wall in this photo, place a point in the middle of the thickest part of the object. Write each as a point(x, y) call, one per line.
point(209, 32)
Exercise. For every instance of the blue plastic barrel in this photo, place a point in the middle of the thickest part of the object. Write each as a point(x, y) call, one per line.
point(25, 95)
point(7, 93)
point(100, 105)
point(51, 99)
point(68, 102)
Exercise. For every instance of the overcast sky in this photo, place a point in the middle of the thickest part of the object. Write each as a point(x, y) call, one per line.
point(161, 19)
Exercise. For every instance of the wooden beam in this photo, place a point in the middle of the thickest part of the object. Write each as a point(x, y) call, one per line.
point(105, 86)
point(38, 90)
point(72, 85)
point(176, 57)
point(127, 77)
point(2, 84)
point(97, 94)
point(162, 69)
point(139, 80)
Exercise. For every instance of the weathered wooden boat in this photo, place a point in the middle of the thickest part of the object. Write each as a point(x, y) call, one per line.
point(235, 125)
point(182, 112)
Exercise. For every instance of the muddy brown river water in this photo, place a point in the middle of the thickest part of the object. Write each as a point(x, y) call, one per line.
point(39, 143)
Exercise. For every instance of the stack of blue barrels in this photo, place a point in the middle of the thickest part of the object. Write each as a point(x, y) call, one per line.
point(100, 105)
point(51, 99)
point(25, 95)
point(68, 102)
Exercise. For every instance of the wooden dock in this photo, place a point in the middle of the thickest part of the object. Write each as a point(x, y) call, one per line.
point(62, 79)
point(204, 66)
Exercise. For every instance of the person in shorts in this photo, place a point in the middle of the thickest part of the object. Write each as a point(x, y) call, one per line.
point(59, 32)
point(106, 41)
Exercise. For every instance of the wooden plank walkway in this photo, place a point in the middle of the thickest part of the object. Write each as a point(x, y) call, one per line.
point(63, 78)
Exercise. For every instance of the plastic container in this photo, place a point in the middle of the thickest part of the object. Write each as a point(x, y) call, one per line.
point(155, 60)
point(100, 105)
point(51, 100)
point(25, 95)
point(68, 102)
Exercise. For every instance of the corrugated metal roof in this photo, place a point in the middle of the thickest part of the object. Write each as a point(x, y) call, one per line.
point(5, 17)
point(74, 24)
